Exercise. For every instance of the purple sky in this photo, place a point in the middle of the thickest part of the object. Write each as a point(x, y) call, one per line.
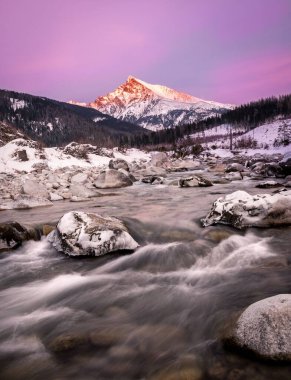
point(226, 50)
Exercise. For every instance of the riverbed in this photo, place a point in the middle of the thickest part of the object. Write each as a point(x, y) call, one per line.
point(158, 313)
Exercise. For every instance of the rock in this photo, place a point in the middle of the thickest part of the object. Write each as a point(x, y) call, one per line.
point(234, 176)
point(118, 163)
point(79, 178)
point(285, 164)
point(195, 181)
point(184, 373)
point(82, 234)
point(159, 159)
point(265, 328)
point(110, 335)
point(35, 188)
point(184, 165)
point(66, 194)
point(217, 235)
point(81, 191)
point(67, 342)
point(47, 228)
point(12, 234)
point(22, 155)
point(234, 167)
point(78, 199)
point(241, 210)
point(112, 178)
point(151, 170)
point(55, 197)
point(152, 179)
point(39, 166)
point(23, 201)
point(155, 339)
point(268, 185)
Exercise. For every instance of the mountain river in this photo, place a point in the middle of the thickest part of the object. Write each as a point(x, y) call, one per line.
point(159, 313)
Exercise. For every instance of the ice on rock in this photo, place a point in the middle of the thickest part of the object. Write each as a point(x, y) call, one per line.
point(241, 210)
point(82, 234)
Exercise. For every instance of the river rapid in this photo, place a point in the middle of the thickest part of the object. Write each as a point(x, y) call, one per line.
point(158, 313)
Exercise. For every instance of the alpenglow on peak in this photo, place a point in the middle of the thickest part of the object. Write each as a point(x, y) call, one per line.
point(155, 106)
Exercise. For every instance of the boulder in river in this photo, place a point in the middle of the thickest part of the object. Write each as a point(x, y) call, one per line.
point(82, 234)
point(195, 181)
point(111, 178)
point(241, 210)
point(264, 328)
point(268, 185)
point(12, 234)
point(152, 179)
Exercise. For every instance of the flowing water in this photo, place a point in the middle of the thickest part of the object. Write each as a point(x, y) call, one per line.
point(159, 313)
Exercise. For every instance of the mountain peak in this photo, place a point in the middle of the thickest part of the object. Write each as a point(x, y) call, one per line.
point(154, 106)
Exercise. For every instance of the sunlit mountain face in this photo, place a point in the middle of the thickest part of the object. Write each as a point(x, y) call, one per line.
point(154, 106)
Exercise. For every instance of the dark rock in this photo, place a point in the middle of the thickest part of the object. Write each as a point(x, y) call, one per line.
point(12, 234)
point(22, 155)
point(152, 179)
point(195, 181)
point(118, 163)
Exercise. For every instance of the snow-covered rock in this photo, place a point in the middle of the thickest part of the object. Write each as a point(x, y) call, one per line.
point(241, 209)
point(111, 178)
point(35, 189)
point(23, 201)
point(265, 328)
point(55, 197)
point(79, 190)
point(195, 181)
point(80, 178)
point(82, 234)
point(268, 184)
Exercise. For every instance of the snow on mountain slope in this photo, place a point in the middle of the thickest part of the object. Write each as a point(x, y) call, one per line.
point(154, 106)
point(272, 137)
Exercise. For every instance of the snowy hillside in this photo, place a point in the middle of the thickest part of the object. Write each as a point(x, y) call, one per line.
point(154, 106)
point(27, 155)
point(274, 136)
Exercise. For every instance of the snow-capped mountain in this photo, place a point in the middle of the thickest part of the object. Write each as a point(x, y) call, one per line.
point(154, 106)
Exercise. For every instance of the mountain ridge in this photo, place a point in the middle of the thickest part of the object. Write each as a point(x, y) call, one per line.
point(154, 106)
